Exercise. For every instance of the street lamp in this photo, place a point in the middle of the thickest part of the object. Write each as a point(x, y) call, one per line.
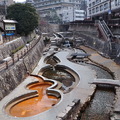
point(109, 12)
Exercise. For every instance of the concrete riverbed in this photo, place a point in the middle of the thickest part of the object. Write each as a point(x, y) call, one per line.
point(83, 91)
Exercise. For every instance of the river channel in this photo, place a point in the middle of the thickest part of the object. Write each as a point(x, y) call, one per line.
point(100, 106)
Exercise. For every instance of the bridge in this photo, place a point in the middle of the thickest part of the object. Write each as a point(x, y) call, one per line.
point(106, 82)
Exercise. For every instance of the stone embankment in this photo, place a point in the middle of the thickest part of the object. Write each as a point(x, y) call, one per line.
point(14, 74)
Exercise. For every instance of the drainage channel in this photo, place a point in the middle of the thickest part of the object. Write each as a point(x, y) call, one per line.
point(100, 106)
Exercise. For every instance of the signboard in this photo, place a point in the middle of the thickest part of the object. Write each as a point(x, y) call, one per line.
point(109, 11)
point(10, 27)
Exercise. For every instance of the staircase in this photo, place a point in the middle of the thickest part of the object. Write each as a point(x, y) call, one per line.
point(107, 36)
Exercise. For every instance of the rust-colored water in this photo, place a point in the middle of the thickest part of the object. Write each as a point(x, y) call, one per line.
point(35, 105)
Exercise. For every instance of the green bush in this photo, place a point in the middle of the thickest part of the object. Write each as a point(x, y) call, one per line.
point(17, 49)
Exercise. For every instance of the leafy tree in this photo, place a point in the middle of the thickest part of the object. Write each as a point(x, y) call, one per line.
point(26, 17)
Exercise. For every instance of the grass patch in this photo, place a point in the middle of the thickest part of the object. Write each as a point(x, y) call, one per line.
point(17, 49)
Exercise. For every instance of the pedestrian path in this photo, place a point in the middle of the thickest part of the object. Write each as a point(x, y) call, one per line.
point(108, 63)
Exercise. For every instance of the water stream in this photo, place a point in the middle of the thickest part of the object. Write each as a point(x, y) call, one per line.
point(100, 106)
point(59, 74)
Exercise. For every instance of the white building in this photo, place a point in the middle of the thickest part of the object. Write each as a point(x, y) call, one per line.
point(99, 7)
point(67, 10)
point(73, 15)
point(30, 2)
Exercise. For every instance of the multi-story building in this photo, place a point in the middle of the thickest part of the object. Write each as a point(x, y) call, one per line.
point(103, 8)
point(66, 10)
point(30, 2)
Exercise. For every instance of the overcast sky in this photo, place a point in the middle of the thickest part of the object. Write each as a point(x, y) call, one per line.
point(19, 0)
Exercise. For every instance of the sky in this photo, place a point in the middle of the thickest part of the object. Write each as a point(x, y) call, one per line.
point(19, 0)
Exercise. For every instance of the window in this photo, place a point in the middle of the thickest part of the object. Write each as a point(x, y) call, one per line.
point(98, 1)
point(93, 10)
point(101, 7)
point(115, 2)
point(90, 5)
point(97, 9)
point(118, 2)
point(105, 6)
point(93, 3)
point(89, 11)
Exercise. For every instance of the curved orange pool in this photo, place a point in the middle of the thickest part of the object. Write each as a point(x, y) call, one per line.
point(35, 105)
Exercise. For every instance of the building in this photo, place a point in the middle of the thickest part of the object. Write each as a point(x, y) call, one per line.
point(107, 9)
point(63, 10)
point(30, 2)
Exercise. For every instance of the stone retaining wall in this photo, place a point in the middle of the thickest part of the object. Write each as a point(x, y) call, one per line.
point(15, 74)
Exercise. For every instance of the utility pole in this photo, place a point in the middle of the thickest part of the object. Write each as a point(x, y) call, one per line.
point(5, 8)
point(73, 12)
point(109, 12)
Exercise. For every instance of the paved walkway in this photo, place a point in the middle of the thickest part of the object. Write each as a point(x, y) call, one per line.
point(108, 63)
point(113, 67)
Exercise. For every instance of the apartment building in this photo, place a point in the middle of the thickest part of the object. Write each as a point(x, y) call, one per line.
point(104, 8)
point(66, 10)
point(30, 2)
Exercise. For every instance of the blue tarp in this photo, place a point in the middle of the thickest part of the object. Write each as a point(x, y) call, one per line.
point(8, 34)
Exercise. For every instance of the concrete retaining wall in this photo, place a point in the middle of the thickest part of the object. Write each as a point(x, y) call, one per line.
point(101, 46)
point(67, 114)
point(90, 34)
point(91, 29)
point(15, 74)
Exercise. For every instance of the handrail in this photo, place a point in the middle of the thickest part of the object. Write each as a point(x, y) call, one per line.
point(106, 32)
point(102, 30)
point(107, 28)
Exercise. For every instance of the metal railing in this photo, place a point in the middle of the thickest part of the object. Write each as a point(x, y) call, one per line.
point(104, 29)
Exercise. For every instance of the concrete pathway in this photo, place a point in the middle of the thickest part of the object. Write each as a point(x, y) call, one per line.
point(114, 68)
